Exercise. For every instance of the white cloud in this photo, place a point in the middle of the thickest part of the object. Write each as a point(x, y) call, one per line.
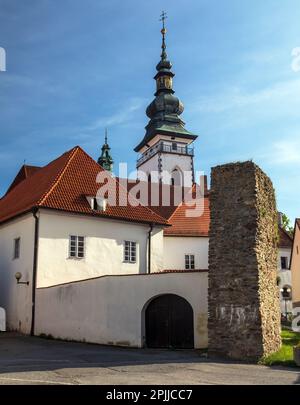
point(296, 61)
point(234, 98)
point(283, 152)
point(119, 118)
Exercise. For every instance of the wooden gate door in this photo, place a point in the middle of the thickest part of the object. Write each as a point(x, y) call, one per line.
point(169, 323)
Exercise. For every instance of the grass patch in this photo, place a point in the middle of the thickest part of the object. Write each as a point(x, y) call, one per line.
point(284, 356)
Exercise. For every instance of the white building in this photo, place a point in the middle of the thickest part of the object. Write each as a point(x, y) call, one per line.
point(284, 272)
point(91, 272)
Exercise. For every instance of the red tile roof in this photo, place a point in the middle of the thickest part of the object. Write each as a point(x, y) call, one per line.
point(185, 225)
point(25, 172)
point(182, 225)
point(63, 185)
point(285, 240)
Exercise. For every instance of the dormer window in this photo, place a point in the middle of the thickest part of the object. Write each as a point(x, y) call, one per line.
point(97, 203)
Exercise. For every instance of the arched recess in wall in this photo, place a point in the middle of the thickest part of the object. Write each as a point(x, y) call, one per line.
point(177, 177)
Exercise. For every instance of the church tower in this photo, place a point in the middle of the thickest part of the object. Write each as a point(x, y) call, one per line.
point(166, 149)
point(105, 160)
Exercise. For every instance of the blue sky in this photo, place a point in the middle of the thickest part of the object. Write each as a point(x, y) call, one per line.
point(75, 67)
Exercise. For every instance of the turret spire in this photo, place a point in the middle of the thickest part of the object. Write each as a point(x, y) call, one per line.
point(105, 160)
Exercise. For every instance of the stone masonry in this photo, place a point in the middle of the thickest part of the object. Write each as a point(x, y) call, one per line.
point(243, 297)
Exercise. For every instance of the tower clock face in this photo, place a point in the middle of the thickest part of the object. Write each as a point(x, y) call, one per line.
point(164, 82)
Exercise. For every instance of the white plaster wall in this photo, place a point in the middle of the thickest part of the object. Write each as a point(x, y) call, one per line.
point(14, 298)
point(104, 247)
point(147, 167)
point(157, 250)
point(285, 279)
point(175, 248)
point(110, 310)
point(170, 161)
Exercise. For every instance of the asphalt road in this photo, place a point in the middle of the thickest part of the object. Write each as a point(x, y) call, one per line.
point(27, 360)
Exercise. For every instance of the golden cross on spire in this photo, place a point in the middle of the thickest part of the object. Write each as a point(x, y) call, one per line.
point(163, 17)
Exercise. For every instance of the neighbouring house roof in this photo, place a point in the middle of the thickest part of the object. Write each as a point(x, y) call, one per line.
point(183, 224)
point(63, 185)
point(178, 213)
point(285, 240)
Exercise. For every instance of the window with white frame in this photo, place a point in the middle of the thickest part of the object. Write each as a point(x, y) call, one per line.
point(189, 262)
point(76, 246)
point(17, 245)
point(129, 251)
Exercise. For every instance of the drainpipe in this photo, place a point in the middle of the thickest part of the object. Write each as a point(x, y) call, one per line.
point(34, 270)
point(149, 248)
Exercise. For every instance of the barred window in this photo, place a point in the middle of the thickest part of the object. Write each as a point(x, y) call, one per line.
point(189, 262)
point(76, 246)
point(284, 262)
point(17, 244)
point(129, 251)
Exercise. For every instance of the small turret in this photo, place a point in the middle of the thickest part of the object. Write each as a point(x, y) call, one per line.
point(105, 160)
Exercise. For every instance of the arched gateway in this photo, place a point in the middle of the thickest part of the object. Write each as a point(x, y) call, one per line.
point(169, 323)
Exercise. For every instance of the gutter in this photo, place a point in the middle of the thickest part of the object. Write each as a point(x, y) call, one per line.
point(149, 248)
point(34, 270)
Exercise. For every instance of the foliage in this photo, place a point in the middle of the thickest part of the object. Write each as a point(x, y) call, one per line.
point(286, 224)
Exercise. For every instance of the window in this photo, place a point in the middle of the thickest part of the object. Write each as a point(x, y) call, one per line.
point(129, 252)
point(17, 243)
point(174, 146)
point(76, 246)
point(284, 262)
point(189, 262)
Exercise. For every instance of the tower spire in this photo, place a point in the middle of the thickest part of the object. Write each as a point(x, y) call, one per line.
point(165, 110)
point(163, 31)
point(106, 160)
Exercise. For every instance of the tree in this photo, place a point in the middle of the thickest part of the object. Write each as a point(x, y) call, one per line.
point(286, 224)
